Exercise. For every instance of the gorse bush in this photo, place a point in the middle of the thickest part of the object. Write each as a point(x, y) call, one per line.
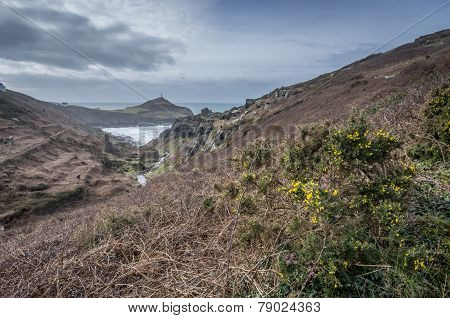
point(437, 114)
point(256, 155)
point(352, 173)
point(351, 221)
point(113, 226)
point(208, 204)
point(354, 146)
point(302, 156)
point(433, 144)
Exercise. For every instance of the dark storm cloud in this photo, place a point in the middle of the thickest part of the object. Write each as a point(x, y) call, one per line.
point(115, 46)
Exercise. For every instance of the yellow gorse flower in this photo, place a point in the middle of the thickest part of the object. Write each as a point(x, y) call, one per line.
point(314, 219)
point(419, 264)
point(395, 187)
point(353, 136)
point(385, 135)
point(312, 197)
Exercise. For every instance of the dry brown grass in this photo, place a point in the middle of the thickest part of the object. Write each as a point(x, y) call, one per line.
point(170, 248)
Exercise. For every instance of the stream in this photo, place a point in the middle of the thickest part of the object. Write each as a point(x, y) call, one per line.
point(140, 135)
point(142, 180)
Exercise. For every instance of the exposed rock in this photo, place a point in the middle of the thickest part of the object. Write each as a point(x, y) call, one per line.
point(249, 102)
point(7, 140)
point(108, 145)
point(206, 112)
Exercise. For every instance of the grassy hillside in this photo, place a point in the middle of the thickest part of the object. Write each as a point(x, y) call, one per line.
point(159, 108)
point(342, 210)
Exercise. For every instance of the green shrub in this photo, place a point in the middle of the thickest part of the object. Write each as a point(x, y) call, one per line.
point(247, 205)
point(208, 204)
point(251, 232)
point(303, 155)
point(232, 190)
point(39, 187)
point(265, 183)
point(248, 178)
point(112, 226)
point(437, 114)
point(355, 144)
point(255, 156)
point(434, 144)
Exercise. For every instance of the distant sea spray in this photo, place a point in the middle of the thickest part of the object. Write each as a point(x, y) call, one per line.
point(140, 135)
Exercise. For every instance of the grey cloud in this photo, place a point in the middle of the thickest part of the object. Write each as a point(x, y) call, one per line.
point(115, 46)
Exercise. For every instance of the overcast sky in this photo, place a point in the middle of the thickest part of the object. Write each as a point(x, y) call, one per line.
point(196, 50)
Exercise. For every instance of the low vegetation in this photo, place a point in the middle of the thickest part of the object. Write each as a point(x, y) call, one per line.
point(48, 202)
point(432, 143)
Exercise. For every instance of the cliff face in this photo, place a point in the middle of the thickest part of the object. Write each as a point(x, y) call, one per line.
point(154, 112)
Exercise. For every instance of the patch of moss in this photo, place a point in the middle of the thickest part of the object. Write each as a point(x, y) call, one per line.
point(49, 203)
point(38, 187)
point(208, 204)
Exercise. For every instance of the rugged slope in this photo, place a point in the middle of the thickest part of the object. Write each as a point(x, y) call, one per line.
point(47, 160)
point(153, 112)
point(366, 84)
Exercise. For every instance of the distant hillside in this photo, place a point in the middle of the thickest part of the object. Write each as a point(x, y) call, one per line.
point(159, 108)
point(153, 112)
point(48, 160)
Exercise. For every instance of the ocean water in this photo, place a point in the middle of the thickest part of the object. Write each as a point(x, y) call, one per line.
point(140, 135)
point(215, 107)
point(106, 105)
point(195, 107)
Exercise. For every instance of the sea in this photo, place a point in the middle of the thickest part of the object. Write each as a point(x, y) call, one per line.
point(143, 134)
